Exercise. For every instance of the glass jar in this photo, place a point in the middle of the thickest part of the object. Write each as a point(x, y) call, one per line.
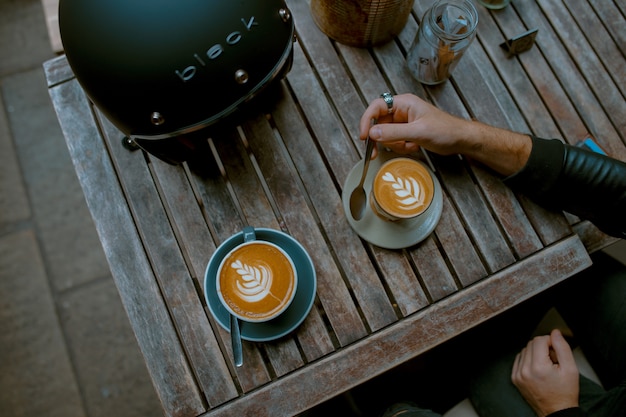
point(447, 29)
point(495, 4)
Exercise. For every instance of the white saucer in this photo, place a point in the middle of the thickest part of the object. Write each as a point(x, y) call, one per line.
point(386, 234)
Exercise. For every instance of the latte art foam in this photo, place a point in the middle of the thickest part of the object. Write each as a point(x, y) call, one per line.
point(403, 188)
point(256, 281)
point(407, 191)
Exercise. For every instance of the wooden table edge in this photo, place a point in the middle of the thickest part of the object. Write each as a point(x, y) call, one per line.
point(430, 327)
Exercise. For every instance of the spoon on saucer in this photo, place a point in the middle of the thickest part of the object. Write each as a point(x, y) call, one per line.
point(235, 333)
point(235, 336)
point(358, 198)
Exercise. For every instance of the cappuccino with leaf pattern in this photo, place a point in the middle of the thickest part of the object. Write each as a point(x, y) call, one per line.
point(256, 281)
point(403, 188)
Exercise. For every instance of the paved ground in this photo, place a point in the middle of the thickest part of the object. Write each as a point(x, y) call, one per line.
point(66, 347)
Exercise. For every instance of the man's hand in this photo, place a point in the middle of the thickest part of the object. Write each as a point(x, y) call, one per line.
point(546, 375)
point(414, 123)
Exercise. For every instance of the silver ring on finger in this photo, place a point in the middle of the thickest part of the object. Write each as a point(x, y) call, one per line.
point(389, 101)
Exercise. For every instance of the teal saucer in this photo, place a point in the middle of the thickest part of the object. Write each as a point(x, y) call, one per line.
point(295, 314)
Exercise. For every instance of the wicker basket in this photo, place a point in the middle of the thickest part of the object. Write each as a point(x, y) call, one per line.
point(361, 22)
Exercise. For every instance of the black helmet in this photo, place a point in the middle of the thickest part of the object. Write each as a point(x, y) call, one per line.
point(161, 68)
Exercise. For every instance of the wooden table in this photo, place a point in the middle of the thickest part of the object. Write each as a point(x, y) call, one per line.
point(284, 169)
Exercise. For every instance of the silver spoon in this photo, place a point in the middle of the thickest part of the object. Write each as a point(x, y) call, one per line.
point(235, 334)
point(235, 337)
point(358, 198)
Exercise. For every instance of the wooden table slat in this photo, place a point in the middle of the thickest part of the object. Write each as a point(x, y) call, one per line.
point(335, 78)
point(333, 140)
point(188, 220)
point(313, 338)
point(612, 17)
point(185, 216)
point(600, 82)
point(577, 89)
point(360, 276)
point(514, 220)
point(433, 270)
point(473, 209)
point(463, 257)
point(527, 97)
point(405, 289)
point(593, 20)
point(247, 184)
point(171, 270)
point(334, 294)
point(57, 71)
point(129, 265)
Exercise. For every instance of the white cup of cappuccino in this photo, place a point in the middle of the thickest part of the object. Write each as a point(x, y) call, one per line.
point(256, 281)
point(402, 189)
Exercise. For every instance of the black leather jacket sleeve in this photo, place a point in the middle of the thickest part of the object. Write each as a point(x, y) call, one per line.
point(584, 183)
point(570, 412)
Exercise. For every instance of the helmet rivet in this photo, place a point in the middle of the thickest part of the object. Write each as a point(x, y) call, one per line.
point(285, 14)
point(241, 76)
point(157, 118)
